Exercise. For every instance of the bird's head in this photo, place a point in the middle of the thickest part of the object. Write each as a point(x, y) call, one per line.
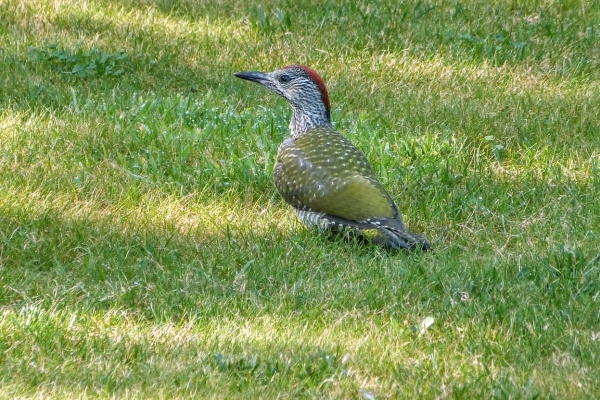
point(301, 86)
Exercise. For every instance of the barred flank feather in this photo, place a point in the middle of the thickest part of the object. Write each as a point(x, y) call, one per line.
point(392, 238)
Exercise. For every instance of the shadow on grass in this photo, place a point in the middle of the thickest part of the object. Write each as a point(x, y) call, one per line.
point(173, 59)
point(150, 58)
point(159, 271)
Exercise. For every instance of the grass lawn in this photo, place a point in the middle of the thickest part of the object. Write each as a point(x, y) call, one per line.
point(145, 253)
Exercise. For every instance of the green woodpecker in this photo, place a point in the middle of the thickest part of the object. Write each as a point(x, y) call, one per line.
point(329, 182)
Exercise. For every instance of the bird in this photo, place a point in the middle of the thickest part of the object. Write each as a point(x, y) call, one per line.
point(321, 174)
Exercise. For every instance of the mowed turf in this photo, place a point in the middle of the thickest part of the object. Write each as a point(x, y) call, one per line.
point(145, 253)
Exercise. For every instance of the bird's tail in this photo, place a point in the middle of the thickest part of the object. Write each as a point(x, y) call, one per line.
point(392, 233)
point(399, 239)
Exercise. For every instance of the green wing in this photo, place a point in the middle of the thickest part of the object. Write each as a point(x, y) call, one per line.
point(324, 172)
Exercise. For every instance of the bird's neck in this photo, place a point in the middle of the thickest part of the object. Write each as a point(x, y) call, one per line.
point(303, 121)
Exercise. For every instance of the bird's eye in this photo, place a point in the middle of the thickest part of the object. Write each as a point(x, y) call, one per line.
point(285, 78)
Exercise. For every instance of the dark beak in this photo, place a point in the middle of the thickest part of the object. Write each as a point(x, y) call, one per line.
point(253, 76)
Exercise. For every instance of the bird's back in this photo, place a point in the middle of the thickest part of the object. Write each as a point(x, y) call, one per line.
point(323, 171)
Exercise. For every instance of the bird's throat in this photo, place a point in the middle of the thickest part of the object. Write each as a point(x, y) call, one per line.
point(303, 122)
